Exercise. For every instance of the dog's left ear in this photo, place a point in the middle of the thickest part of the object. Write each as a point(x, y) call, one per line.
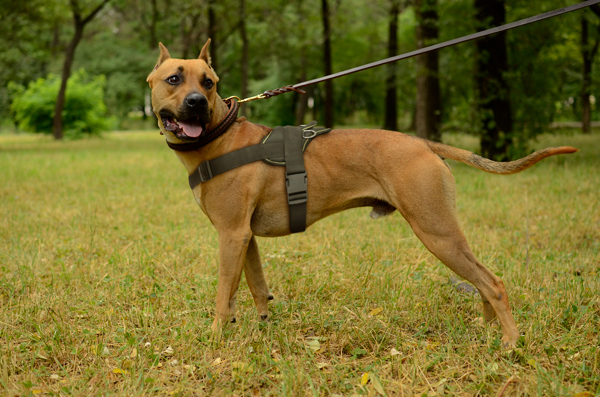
point(204, 54)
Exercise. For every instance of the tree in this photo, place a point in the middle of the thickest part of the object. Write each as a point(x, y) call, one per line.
point(79, 22)
point(588, 53)
point(328, 69)
point(495, 117)
point(212, 34)
point(428, 118)
point(245, 57)
point(391, 89)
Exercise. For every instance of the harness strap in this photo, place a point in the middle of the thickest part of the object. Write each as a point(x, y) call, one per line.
point(209, 169)
point(288, 144)
point(295, 178)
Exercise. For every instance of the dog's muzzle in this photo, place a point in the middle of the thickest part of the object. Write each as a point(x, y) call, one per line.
point(191, 120)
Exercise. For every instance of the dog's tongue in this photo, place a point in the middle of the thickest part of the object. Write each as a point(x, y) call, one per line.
point(193, 130)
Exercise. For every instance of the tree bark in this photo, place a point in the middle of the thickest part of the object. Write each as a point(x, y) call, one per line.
point(79, 24)
point(245, 56)
point(153, 43)
point(391, 91)
point(428, 118)
point(494, 107)
point(586, 77)
point(328, 69)
point(588, 53)
point(212, 34)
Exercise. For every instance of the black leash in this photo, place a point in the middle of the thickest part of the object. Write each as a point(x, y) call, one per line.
point(474, 36)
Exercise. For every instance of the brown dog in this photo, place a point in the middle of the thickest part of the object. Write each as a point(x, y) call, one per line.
point(346, 168)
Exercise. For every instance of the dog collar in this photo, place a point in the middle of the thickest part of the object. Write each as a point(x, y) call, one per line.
point(213, 134)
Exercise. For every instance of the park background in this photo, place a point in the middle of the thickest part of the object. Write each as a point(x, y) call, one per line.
point(108, 269)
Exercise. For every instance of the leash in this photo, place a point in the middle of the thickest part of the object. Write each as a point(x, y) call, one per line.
point(474, 36)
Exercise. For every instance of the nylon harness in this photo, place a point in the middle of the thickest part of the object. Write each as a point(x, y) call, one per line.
point(284, 146)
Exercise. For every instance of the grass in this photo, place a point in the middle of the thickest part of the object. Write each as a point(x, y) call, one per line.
point(108, 273)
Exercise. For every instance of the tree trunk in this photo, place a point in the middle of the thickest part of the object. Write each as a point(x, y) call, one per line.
point(212, 34)
point(428, 118)
point(245, 56)
point(586, 109)
point(327, 64)
point(391, 92)
point(79, 24)
point(494, 96)
point(153, 43)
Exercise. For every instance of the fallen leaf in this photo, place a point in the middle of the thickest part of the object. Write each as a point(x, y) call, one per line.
point(120, 371)
point(168, 351)
point(584, 394)
point(322, 365)
point(377, 385)
point(242, 367)
point(375, 312)
point(394, 352)
point(314, 344)
point(36, 391)
point(133, 353)
point(364, 379)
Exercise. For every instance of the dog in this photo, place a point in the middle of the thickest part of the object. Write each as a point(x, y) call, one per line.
point(385, 170)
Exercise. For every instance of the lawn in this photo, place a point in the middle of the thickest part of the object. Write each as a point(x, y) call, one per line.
point(108, 274)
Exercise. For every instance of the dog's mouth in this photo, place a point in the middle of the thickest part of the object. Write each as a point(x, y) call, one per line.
point(187, 130)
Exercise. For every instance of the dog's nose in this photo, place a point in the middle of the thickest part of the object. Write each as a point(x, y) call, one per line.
point(196, 101)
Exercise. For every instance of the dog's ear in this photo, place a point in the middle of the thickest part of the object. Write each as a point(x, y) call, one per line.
point(164, 55)
point(204, 54)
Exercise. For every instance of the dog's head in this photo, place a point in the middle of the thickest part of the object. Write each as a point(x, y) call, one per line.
point(184, 94)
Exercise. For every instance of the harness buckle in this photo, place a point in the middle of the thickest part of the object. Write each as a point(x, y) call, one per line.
point(312, 134)
point(296, 188)
point(205, 172)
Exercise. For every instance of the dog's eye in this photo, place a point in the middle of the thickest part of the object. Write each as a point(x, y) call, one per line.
point(208, 83)
point(173, 79)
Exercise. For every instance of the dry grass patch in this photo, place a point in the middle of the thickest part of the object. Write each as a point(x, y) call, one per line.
point(108, 274)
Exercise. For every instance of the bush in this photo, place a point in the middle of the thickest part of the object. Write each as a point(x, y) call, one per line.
point(84, 112)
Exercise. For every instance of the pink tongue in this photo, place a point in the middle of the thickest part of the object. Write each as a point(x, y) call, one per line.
point(191, 130)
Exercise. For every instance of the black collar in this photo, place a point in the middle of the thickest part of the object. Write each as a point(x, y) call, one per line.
point(213, 134)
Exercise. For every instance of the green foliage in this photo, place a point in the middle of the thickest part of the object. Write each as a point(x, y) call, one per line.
point(285, 47)
point(84, 111)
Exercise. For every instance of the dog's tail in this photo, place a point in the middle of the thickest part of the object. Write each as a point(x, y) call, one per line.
point(495, 167)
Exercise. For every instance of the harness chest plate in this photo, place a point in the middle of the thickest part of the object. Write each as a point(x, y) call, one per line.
point(284, 146)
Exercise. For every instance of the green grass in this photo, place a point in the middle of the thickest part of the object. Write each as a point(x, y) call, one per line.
point(108, 273)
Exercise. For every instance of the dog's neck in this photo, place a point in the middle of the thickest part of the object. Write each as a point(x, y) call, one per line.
point(218, 113)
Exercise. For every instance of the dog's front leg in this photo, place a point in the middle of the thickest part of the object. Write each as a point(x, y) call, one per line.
point(256, 280)
point(232, 255)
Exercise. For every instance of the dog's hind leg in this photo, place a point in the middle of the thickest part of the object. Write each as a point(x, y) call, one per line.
point(428, 205)
point(256, 280)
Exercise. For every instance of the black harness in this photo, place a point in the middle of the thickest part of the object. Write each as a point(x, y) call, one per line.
point(284, 146)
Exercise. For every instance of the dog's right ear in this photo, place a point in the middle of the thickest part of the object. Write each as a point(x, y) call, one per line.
point(164, 55)
point(204, 54)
